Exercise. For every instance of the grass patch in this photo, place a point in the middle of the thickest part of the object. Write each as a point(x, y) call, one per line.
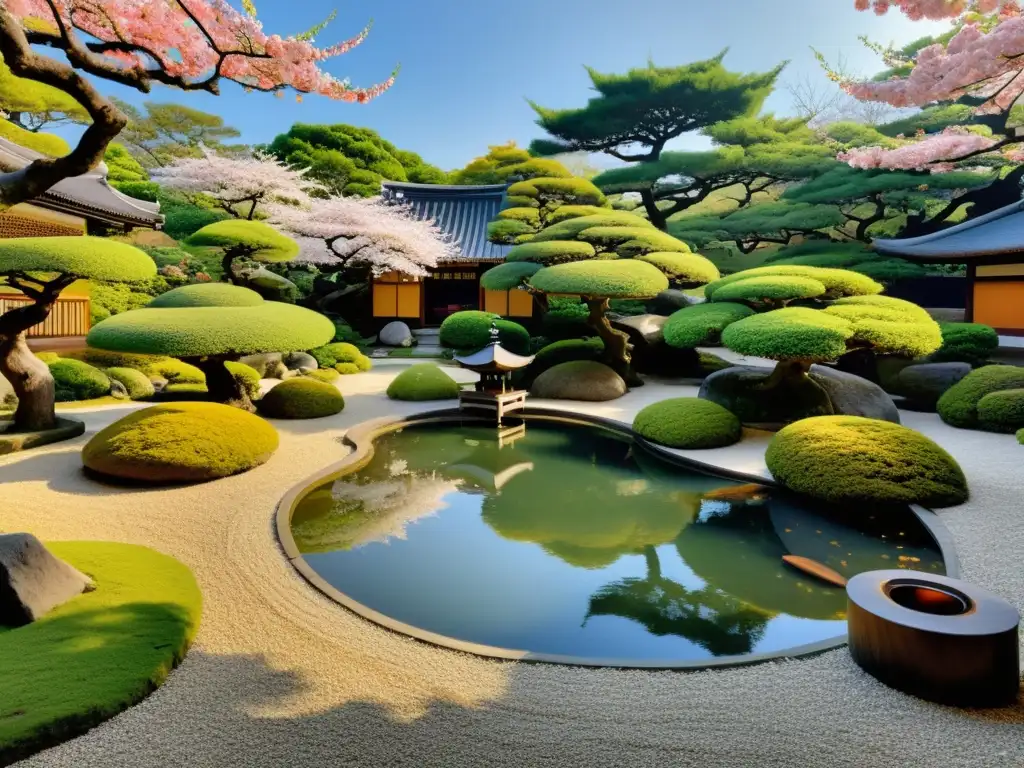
point(99, 653)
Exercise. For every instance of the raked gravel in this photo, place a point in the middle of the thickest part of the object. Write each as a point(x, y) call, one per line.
point(281, 676)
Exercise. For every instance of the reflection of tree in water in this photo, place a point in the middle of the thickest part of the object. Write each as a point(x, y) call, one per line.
point(714, 620)
point(350, 514)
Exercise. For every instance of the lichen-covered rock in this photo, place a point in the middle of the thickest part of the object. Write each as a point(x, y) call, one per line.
point(579, 380)
point(667, 302)
point(648, 328)
point(396, 334)
point(823, 392)
point(262, 363)
point(33, 580)
point(118, 391)
point(297, 361)
point(925, 383)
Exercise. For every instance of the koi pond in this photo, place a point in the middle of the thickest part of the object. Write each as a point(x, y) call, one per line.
point(572, 541)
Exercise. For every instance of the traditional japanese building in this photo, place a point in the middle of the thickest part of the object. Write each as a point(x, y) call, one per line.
point(80, 205)
point(992, 248)
point(463, 213)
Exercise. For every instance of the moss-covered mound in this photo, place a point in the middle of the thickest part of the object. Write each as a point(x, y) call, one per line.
point(958, 406)
point(688, 422)
point(328, 375)
point(972, 343)
point(302, 398)
point(98, 654)
point(1002, 411)
point(181, 442)
point(345, 369)
point(702, 324)
point(247, 376)
point(423, 381)
point(579, 380)
point(136, 383)
point(852, 460)
point(1020, 436)
point(153, 366)
point(207, 295)
point(330, 355)
point(471, 330)
point(563, 352)
point(75, 380)
point(794, 333)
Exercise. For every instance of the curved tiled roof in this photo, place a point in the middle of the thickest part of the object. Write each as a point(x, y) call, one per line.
point(87, 195)
point(999, 233)
point(461, 212)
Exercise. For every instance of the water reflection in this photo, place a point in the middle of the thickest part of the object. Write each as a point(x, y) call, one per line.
point(571, 541)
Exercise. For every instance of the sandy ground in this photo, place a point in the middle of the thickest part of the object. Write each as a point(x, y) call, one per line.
point(280, 676)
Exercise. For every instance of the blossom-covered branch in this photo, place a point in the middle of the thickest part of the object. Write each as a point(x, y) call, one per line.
point(366, 233)
point(238, 183)
point(186, 44)
point(933, 10)
point(953, 144)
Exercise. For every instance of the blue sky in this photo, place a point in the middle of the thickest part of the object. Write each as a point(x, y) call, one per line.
point(469, 65)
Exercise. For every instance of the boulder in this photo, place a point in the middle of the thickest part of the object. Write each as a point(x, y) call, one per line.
point(159, 383)
point(823, 392)
point(118, 390)
point(650, 353)
point(648, 328)
point(396, 334)
point(267, 282)
point(33, 580)
point(264, 363)
point(297, 361)
point(667, 302)
point(579, 380)
point(925, 383)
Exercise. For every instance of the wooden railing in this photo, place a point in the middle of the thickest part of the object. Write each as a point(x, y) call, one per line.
point(69, 316)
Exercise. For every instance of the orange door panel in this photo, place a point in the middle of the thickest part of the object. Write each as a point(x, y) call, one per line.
point(496, 302)
point(408, 300)
point(520, 304)
point(1000, 304)
point(385, 300)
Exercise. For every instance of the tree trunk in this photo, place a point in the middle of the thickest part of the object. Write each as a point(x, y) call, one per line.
point(226, 263)
point(653, 563)
point(32, 383)
point(616, 343)
point(222, 386)
point(785, 370)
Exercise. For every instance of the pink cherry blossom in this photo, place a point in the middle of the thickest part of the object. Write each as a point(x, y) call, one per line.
point(258, 179)
point(934, 10)
point(951, 144)
point(365, 233)
point(192, 43)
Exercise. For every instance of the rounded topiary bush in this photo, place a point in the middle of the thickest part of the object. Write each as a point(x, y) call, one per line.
point(323, 374)
point(579, 380)
point(136, 383)
point(972, 343)
point(345, 369)
point(180, 443)
point(688, 422)
point(853, 460)
point(471, 330)
point(793, 333)
point(423, 381)
point(247, 376)
point(330, 355)
point(75, 380)
point(958, 405)
point(702, 324)
point(1002, 411)
point(302, 398)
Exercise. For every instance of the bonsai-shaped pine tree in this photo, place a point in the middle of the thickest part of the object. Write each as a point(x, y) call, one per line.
point(600, 257)
point(537, 203)
point(504, 161)
point(40, 268)
point(209, 324)
point(799, 316)
point(242, 239)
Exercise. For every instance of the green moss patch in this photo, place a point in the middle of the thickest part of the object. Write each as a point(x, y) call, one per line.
point(563, 352)
point(972, 343)
point(207, 295)
point(302, 398)
point(853, 460)
point(1002, 411)
point(688, 422)
point(323, 374)
point(958, 405)
point(98, 654)
point(136, 383)
point(423, 381)
point(75, 380)
point(471, 330)
point(181, 443)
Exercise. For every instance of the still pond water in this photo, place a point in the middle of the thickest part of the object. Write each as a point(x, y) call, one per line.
point(570, 540)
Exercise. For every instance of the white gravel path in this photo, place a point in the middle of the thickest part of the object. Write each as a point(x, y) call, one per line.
point(280, 676)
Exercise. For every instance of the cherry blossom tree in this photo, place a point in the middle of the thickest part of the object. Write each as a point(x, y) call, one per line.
point(238, 184)
point(187, 44)
point(366, 234)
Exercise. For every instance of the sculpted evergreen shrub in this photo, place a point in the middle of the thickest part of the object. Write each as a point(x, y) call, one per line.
point(247, 376)
point(471, 330)
point(688, 422)
point(180, 443)
point(770, 290)
point(958, 405)
point(207, 295)
point(302, 398)
point(702, 324)
point(508, 276)
point(136, 383)
point(855, 461)
point(75, 380)
point(793, 333)
point(251, 238)
point(613, 279)
point(421, 382)
point(1002, 411)
point(972, 343)
point(838, 283)
point(563, 352)
point(346, 369)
